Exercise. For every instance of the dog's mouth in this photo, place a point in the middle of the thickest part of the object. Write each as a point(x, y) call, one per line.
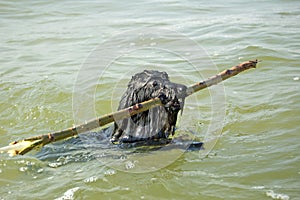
point(173, 97)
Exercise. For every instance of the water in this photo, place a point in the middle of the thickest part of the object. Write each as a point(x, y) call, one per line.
point(44, 46)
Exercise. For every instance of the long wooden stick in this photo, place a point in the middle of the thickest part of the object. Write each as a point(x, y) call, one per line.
point(23, 146)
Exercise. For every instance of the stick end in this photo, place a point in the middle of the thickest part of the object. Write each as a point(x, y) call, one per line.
point(20, 147)
point(250, 64)
point(254, 62)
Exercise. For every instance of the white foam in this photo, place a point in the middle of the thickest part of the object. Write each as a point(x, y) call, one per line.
point(259, 187)
point(69, 194)
point(273, 195)
point(23, 169)
point(110, 172)
point(129, 165)
point(91, 179)
point(55, 164)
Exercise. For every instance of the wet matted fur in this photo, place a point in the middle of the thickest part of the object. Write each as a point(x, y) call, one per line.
point(156, 123)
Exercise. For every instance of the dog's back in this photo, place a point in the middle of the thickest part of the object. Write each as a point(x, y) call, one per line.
point(156, 123)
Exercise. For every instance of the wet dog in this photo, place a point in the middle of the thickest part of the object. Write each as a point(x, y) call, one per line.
point(156, 123)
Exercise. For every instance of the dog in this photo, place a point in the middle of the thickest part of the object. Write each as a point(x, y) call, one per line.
point(156, 123)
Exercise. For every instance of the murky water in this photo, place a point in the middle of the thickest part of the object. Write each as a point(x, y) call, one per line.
point(50, 56)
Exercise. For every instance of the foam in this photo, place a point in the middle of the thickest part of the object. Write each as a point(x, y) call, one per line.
point(273, 195)
point(69, 194)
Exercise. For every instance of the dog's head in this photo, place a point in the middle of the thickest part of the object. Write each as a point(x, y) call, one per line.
point(158, 122)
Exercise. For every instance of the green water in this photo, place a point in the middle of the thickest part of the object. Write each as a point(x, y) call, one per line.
point(50, 55)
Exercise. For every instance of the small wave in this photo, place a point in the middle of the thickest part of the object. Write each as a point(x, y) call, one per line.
point(288, 13)
point(273, 195)
point(266, 53)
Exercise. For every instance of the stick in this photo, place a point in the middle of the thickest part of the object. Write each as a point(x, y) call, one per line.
point(222, 76)
point(23, 146)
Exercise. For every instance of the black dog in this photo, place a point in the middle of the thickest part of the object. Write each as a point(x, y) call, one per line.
point(156, 123)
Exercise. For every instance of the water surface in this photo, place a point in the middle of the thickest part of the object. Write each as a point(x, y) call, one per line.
point(45, 45)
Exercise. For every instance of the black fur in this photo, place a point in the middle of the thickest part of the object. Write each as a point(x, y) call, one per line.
point(156, 123)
